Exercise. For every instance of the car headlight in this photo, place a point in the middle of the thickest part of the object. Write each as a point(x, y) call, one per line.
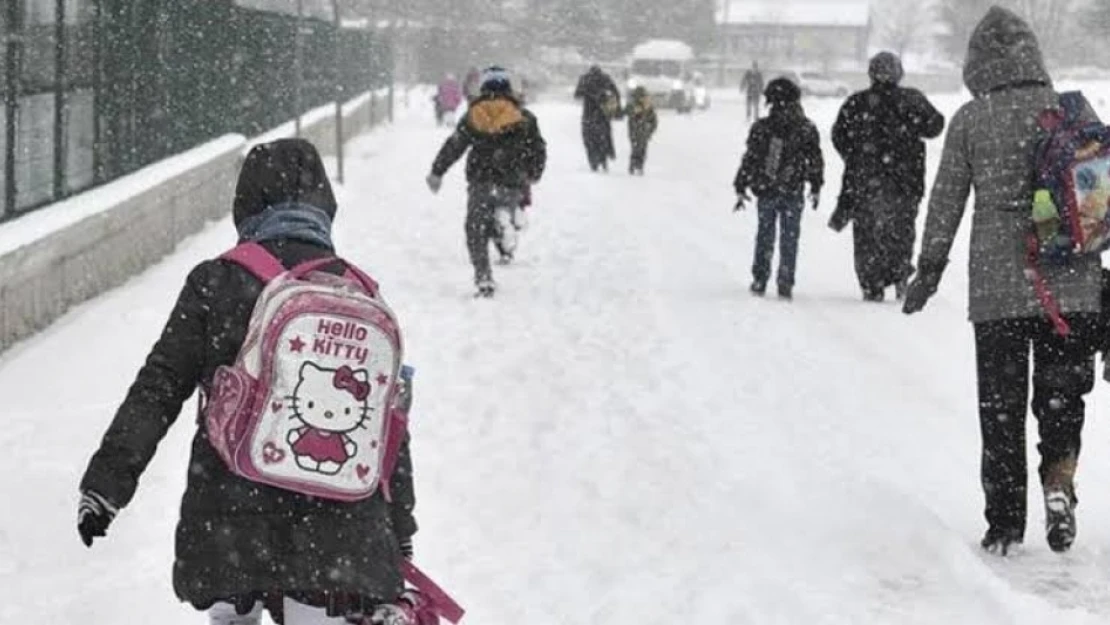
point(677, 85)
point(633, 83)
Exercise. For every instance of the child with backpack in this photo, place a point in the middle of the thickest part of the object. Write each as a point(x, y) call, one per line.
point(642, 123)
point(1036, 317)
point(507, 156)
point(300, 496)
point(783, 154)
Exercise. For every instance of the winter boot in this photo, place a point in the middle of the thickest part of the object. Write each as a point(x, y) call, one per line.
point(758, 288)
point(875, 295)
point(1001, 542)
point(1059, 504)
point(786, 292)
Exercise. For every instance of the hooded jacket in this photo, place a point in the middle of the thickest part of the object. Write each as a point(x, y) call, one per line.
point(237, 539)
point(989, 148)
point(783, 153)
point(506, 147)
point(879, 133)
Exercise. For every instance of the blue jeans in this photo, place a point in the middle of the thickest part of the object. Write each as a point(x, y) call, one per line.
point(774, 209)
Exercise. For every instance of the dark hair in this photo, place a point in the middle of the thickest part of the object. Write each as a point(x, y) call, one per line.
point(286, 170)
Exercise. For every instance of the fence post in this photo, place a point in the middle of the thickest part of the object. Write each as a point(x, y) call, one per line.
point(60, 88)
point(338, 91)
point(298, 69)
point(13, 48)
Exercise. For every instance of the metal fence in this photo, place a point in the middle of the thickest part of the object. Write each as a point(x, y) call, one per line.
point(95, 89)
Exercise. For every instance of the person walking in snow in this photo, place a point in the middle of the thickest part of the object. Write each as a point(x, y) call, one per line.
point(989, 148)
point(783, 153)
point(448, 98)
point(752, 85)
point(880, 135)
point(601, 103)
point(242, 545)
point(507, 156)
point(642, 123)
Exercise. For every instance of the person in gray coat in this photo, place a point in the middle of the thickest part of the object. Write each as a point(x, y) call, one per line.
point(989, 147)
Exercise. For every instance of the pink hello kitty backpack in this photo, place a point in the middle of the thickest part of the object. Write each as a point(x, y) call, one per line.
point(309, 405)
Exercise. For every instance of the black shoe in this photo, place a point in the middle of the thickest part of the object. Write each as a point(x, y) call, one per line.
point(506, 258)
point(1059, 513)
point(758, 288)
point(874, 295)
point(1001, 542)
point(786, 292)
point(486, 287)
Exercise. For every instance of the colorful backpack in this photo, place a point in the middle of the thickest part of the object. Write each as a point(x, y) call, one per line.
point(310, 403)
point(1071, 201)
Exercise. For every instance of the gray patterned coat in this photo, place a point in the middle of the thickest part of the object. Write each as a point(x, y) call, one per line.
point(989, 147)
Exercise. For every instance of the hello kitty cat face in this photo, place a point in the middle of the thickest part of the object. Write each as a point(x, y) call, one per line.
point(332, 400)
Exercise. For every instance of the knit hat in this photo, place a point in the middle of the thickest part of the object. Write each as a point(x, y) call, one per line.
point(496, 80)
point(886, 68)
point(782, 91)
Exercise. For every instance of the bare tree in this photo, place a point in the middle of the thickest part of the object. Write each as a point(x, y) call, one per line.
point(903, 24)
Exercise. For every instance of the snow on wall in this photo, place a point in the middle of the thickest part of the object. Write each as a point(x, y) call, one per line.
point(663, 49)
point(69, 252)
point(790, 13)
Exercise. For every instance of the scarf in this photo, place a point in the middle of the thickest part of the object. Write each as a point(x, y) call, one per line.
point(291, 220)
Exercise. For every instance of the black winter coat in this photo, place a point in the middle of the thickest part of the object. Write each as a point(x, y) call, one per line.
point(783, 153)
point(237, 539)
point(642, 121)
point(879, 133)
point(506, 147)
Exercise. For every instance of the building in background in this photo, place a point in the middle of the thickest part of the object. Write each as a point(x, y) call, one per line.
point(783, 33)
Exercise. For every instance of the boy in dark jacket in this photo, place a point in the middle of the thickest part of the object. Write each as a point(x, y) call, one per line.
point(642, 122)
point(241, 544)
point(783, 153)
point(507, 156)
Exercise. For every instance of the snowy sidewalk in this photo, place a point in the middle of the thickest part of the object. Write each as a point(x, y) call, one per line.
point(623, 436)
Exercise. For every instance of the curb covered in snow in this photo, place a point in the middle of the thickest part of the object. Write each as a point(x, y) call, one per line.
point(72, 251)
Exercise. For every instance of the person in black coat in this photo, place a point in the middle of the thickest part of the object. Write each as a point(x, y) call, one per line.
point(880, 135)
point(240, 544)
point(783, 154)
point(601, 103)
point(508, 155)
point(751, 85)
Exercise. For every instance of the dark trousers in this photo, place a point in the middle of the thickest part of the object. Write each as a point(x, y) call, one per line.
point(785, 213)
point(884, 230)
point(753, 106)
point(482, 226)
point(639, 154)
point(1063, 372)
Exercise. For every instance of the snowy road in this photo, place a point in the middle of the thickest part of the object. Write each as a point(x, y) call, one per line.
point(623, 437)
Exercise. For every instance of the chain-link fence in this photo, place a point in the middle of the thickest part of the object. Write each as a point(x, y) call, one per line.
point(95, 89)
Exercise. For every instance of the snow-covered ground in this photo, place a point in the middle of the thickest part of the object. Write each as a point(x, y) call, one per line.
point(624, 436)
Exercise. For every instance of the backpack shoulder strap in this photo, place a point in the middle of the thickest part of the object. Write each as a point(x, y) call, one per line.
point(1073, 103)
point(255, 259)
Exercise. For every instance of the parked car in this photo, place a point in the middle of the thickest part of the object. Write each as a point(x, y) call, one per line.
point(822, 85)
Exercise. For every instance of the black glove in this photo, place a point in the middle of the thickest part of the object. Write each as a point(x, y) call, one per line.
point(94, 515)
point(815, 198)
point(741, 202)
point(923, 286)
point(406, 547)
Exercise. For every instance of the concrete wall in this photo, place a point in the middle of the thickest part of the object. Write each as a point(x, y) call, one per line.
point(72, 251)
